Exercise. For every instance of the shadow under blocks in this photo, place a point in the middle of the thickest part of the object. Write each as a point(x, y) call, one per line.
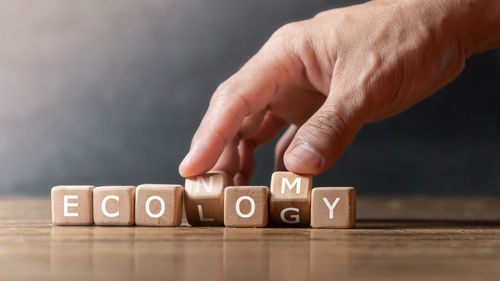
point(291, 201)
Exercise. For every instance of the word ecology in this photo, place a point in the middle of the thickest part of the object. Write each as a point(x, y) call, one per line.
point(291, 201)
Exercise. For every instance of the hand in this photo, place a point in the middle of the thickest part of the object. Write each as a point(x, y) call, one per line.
point(327, 77)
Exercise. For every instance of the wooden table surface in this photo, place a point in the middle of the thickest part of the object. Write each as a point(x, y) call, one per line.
point(401, 239)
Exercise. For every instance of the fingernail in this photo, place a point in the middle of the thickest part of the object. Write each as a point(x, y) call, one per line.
point(306, 157)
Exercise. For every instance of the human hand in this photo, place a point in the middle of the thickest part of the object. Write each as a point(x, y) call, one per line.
point(327, 77)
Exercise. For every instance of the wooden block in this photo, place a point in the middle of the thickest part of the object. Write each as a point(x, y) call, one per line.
point(114, 205)
point(72, 205)
point(333, 207)
point(158, 205)
point(204, 199)
point(290, 202)
point(246, 206)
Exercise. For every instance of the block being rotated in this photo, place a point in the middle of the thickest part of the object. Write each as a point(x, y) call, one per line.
point(290, 202)
point(158, 205)
point(246, 206)
point(333, 207)
point(204, 199)
point(72, 205)
point(114, 205)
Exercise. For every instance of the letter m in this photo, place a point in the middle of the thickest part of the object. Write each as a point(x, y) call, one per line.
point(285, 183)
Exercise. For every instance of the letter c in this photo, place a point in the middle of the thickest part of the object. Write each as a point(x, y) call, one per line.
point(103, 206)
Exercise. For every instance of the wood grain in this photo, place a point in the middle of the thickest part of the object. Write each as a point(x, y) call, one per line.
point(252, 203)
point(395, 239)
point(333, 207)
point(204, 199)
point(79, 207)
point(119, 210)
point(158, 205)
point(290, 200)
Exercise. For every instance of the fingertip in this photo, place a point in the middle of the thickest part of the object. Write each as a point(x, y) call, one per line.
point(184, 172)
point(193, 164)
point(185, 166)
point(303, 159)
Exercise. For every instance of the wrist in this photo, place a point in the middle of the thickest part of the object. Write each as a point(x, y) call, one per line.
point(482, 26)
point(474, 24)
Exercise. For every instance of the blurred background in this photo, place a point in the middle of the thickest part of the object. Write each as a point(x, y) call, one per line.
point(110, 92)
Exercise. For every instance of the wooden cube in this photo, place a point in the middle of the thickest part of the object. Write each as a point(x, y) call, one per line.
point(290, 202)
point(114, 205)
point(158, 205)
point(246, 206)
point(204, 199)
point(72, 205)
point(333, 207)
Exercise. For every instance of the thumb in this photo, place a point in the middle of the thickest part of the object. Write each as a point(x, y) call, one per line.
point(322, 139)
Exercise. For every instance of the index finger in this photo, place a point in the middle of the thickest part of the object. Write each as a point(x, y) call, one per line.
point(246, 92)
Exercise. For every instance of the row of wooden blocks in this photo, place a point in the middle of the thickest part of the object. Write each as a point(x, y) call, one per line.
point(291, 201)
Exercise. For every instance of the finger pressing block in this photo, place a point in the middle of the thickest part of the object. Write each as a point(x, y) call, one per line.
point(290, 202)
point(333, 207)
point(72, 205)
point(158, 205)
point(114, 205)
point(204, 199)
point(245, 206)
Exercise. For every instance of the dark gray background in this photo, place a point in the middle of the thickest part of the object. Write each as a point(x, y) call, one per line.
point(110, 92)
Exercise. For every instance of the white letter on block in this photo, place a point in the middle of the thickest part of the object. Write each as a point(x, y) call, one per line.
point(252, 206)
point(284, 181)
point(208, 187)
point(295, 217)
point(66, 205)
point(200, 211)
point(103, 206)
point(162, 208)
point(332, 206)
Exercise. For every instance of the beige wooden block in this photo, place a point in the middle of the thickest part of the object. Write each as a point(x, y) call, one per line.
point(333, 207)
point(204, 199)
point(290, 202)
point(158, 205)
point(72, 205)
point(114, 205)
point(246, 206)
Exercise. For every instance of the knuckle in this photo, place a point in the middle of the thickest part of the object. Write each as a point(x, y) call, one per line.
point(326, 13)
point(223, 91)
point(290, 32)
point(286, 30)
point(292, 39)
point(225, 87)
point(328, 124)
point(320, 14)
point(228, 92)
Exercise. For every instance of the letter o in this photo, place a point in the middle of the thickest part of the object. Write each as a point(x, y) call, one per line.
point(162, 206)
point(252, 206)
